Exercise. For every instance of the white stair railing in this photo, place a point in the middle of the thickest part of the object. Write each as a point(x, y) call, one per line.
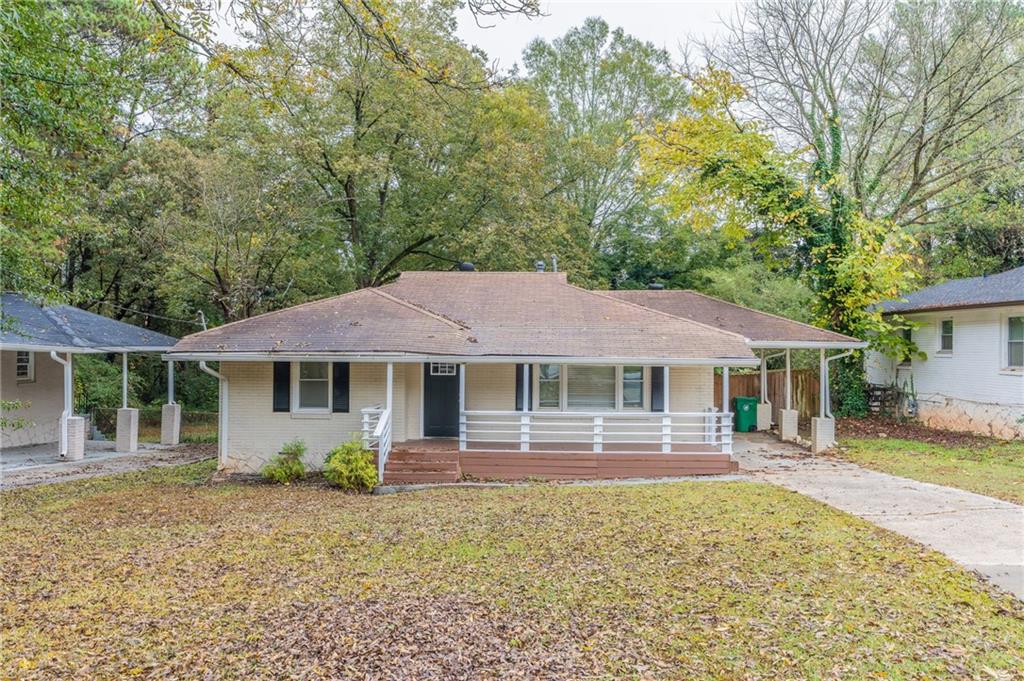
point(376, 432)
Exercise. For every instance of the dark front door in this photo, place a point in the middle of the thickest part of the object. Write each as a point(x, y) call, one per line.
point(440, 400)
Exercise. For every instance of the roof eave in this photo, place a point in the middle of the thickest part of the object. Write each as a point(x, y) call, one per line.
point(949, 308)
point(208, 356)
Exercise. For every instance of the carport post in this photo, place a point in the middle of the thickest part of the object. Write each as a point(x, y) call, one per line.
point(764, 377)
point(789, 383)
point(170, 382)
point(124, 380)
point(822, 384)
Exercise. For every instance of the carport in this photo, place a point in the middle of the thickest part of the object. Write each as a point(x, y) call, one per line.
point(38, 344)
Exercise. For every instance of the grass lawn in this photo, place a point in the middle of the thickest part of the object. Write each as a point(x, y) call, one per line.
point(160, 574)
point(987, 467)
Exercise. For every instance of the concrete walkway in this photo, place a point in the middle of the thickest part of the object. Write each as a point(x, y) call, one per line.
point(978, 532)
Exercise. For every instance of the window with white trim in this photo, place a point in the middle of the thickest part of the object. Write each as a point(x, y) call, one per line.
point(25, 366)
point(946, 335)
point(549, 386)
point(632, 387)
point(590, 388)
point(314, 387)
point(442, 369)
point(1015, 342)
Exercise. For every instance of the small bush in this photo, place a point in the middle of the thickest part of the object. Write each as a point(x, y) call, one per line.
point(351, 467)
point(287, 467)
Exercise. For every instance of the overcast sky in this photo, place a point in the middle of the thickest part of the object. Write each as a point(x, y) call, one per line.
point(666, 23)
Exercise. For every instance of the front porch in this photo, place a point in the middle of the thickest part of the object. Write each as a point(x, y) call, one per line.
point(435, 460)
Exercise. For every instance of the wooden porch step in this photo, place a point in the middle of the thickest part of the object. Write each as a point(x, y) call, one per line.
point(439, 455)
point(410, 477)
point(412, 466)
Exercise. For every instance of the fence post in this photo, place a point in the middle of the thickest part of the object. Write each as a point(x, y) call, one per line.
point(598, 433)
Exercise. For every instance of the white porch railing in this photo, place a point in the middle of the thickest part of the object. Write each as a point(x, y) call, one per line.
point(377, 435)
point(667, 432)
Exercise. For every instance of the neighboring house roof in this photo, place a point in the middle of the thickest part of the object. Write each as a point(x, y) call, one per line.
point(27, 325)
point(761, 328)
point(474, 314)
point(1006, 288)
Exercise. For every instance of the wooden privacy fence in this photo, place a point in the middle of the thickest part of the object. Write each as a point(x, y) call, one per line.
point(805, 390)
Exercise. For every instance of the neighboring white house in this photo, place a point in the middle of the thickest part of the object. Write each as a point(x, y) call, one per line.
point(972, 333)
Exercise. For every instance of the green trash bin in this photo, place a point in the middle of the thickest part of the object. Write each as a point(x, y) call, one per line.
point(745, 413)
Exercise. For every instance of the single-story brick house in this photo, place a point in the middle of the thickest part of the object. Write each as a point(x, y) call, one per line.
point(488, 374)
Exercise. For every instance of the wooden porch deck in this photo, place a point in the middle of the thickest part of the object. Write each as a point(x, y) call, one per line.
point(439, 460)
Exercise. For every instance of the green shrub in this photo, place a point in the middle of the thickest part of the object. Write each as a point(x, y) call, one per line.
point(287, 467)
point(351, 467)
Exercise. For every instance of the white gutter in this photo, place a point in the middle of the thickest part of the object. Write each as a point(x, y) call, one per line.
point(459, 359)
point(808, 345)
point(828, 389)
point(222, 399)
point(68, 399)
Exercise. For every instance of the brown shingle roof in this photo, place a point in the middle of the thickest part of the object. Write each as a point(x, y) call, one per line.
point(753, 324)
point(475, 314)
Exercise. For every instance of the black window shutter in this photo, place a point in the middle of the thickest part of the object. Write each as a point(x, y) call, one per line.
point(658, 388)
point(520, 392)
point(282, 386)
point(340, 380)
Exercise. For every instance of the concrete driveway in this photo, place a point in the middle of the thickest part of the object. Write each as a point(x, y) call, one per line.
point(978, 532)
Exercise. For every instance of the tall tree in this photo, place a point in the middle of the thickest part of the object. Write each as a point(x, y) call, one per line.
point(603, 87)
point(406, 172)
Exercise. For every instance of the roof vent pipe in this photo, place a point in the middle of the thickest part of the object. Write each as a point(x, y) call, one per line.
point(554, 263)
point(540, 266)
point(467, 267)
point(655, 286)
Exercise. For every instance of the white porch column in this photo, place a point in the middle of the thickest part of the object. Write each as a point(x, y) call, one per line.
point(823, 428)
point(764, 377)
point(527, 400)
point(725, 390)
point(665, 390)
point(462, 407)
point(390, 390)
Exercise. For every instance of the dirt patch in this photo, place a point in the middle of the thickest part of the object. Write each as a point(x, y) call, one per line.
point(440, 637)
point(65, 472)
point(878, 427)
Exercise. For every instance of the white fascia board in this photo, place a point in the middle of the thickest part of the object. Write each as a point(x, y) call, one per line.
point(77, 349)
point(807, 345)
point(32, 347)
point(459, 359)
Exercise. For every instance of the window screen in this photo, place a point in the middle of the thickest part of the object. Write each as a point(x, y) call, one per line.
point(549, 383)
point(1015, 344)
point(946, 343)
point(314, 384)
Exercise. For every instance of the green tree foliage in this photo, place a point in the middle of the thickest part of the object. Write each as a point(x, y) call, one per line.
point(602, 87)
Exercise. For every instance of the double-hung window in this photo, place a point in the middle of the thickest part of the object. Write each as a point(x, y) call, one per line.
point(25, 366)
point(549, 386)
point(946, 336)
point(908, 336)
point(632, 387)
point(1015, 342)
point(313, 389)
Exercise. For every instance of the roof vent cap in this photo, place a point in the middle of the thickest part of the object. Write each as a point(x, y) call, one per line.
point(655, 286)
point(467, 267)
point(540, 265)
